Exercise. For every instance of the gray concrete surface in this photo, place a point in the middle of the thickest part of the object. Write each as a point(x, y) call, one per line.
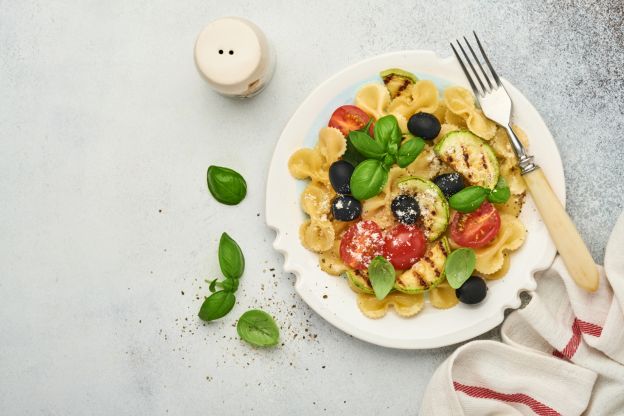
point(107, 230)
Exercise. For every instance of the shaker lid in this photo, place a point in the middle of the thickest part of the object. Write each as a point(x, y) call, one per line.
point(229, 50)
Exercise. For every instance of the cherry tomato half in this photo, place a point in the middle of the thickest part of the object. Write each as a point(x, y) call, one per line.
point(476, 229)
point(348, 118)
point(361, 243)
point(404, 245)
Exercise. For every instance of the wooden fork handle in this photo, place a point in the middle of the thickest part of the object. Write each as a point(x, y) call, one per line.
point(571, 247)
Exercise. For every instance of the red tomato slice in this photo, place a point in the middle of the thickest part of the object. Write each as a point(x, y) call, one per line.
point(404, 245)
point(476, 229)
point(348, 118)
point(361, 243)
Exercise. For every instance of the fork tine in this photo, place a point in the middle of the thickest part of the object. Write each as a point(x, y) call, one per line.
point(476, 74)
point(487, 61)
point(474, 55)
point(472, 84)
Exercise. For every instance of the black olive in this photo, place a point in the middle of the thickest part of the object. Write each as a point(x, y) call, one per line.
point(472, 291)
point(346, 208)
point(449, 183)
point(424, 125)
point(340, 176)
point(405, 209)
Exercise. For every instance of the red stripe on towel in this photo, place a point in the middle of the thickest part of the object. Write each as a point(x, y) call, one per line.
point(589, 328)
point(484, 393)
point(578, 327)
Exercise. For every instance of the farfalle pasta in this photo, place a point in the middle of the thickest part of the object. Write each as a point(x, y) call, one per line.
point(460, 103)
point(423, 97)
point(407, 223)
point(443, 296)
point(404, 305)
point(491, 258)
point(373, 99)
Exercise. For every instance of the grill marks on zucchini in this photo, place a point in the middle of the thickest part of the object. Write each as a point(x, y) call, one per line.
point(426, 273)
point(473, 158)
point(434, 211)
point(397, 81)
point(358, 280)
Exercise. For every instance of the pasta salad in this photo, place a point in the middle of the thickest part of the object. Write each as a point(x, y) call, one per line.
point(412, 193)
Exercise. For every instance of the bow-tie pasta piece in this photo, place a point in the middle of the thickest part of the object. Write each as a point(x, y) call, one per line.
point(440, 112)
point(426, 165)
point(502, 145)
point(453, 118)
point(307, 163)
point(373, 99)
point(341, 226)
point(510, 170)
point(404, 305)
point(331, 145)
point(502, 271)
point(330, 261)
point(460, 102)
point(316, 200)
point(513, 206)
point(443, 296)
point(491, 258)
point(424, 97)
point(317, 235)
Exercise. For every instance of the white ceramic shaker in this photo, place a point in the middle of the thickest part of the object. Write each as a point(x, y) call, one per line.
point(234, 56)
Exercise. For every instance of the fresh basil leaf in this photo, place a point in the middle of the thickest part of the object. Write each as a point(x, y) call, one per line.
point(393, 149)
point(368, 179)
point(382, 276)
point(387, 131)
point(258, 328)
point(459, 266)
point(501, 193)
point(229, 285)
point(388, 161)
point(366, 146)
point(213, 286)
point(217, 305)
point(231, 259)
point(226, 185)
point(468, 199)
point(409, 151)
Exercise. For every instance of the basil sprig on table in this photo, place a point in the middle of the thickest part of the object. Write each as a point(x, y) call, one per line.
point(226, 185)
point(459, 266)
point(471, 198)
point(258, 328)
point(382, 276)
point(371, 175)
point(232, 264)
point(254, 326)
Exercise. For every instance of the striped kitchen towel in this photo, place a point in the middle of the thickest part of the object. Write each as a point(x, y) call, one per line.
point(563, 354)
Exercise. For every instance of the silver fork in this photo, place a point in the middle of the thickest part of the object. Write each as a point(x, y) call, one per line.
point(496, 105)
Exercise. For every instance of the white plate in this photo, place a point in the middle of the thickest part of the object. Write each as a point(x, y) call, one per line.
point(330, 296)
